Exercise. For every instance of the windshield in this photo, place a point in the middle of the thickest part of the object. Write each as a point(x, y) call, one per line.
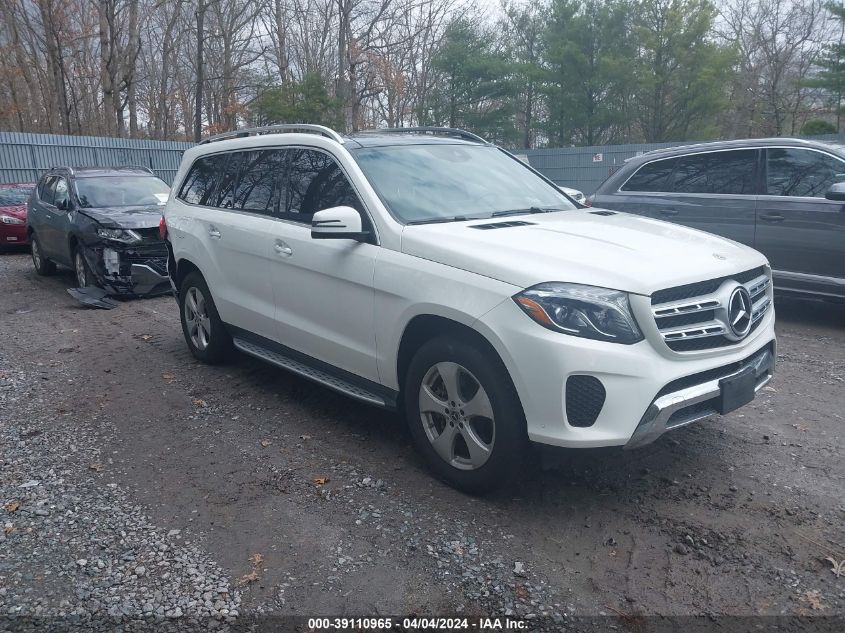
point(121, 191)
point(430, 183)
point(14, 196)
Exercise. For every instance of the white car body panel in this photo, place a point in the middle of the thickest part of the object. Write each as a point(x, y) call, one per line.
point(622, 251)
point(348, 304)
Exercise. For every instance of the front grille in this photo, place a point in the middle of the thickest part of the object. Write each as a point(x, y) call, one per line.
point(584, 399)
point(693, 317)
point(702, 287)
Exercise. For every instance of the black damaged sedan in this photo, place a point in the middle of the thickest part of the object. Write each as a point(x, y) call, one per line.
point(104, 224)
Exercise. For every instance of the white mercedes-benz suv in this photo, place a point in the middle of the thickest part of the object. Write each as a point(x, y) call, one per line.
point(427, 270)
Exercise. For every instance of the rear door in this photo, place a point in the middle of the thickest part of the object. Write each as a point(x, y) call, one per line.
point(801, 232)
point(235, 196)
point(715, 192)
point(40, 207)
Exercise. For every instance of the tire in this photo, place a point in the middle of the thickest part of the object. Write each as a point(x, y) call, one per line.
point(204, 332)
point(84, 277)
point(43, 266)
point(473, 453)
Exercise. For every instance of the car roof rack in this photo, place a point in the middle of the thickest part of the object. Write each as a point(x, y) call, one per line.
point(445, 131)
point(149, 170)
point(276, 129)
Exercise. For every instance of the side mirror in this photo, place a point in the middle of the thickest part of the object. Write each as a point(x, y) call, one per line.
point(63, 204)
point(338, 223)
point(836, 192)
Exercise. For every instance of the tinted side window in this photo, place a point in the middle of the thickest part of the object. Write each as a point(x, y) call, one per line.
point(45, 189)
point(200, 183)
point(316, 182)
point(228, 181)
point(651, 176)
point(799, 172)
point(717, 172)
point(258, 184)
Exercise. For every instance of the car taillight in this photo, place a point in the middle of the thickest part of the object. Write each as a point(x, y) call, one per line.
point(162, 228)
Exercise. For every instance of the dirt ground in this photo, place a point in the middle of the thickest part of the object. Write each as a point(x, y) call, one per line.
point(733, 515)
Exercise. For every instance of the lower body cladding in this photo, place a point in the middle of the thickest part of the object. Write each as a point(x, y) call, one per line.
point(133, 270)
point(582, 393)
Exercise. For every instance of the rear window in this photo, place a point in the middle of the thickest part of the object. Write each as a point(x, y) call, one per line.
point(651, 176)
point(14, 196)
point(200, 183)
point(726, 172)
point(717, 172)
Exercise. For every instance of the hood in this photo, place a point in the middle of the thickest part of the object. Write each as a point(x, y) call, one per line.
point(146, 217)
point(620, 251)
point(15, 212)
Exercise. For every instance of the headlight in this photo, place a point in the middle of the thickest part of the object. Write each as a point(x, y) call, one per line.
point(8, 219)
point(587, 311)
point(119, 235)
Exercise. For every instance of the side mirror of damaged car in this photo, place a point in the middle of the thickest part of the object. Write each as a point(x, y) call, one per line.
point(836, 192)
point(338, 223)
point(63, 204)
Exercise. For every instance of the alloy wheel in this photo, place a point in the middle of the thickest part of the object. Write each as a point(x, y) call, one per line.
point(457, 416)
point(81, 272)
point(36, 254)
point(197, 319)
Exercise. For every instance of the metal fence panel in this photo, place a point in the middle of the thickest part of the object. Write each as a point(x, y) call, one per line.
point(25, 157)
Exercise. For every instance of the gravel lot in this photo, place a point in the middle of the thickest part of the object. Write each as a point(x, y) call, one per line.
point(139, 484)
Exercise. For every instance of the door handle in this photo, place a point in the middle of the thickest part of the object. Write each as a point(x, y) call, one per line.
point(282, 248)
point(213, 232)
point(669, 212)
point(771, 217)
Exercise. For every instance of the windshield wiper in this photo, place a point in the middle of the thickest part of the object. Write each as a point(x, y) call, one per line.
point(529, 210)
point(456, 218)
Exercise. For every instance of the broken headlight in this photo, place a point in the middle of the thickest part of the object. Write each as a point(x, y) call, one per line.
point(119, 235)
point(586, 311)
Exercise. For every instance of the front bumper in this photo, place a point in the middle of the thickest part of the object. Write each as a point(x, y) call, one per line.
point(634, 379)
point(682, 405)
point(132, 270)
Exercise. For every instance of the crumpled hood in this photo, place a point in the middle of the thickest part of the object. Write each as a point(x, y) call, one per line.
point(15, 212)
point(145, 217)
point(620, 251)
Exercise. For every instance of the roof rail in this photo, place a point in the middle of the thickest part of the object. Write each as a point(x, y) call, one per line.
point(276, 129)
point(141, 167)
point(445, 131)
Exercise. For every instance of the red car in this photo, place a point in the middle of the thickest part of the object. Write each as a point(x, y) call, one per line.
point(13, 199)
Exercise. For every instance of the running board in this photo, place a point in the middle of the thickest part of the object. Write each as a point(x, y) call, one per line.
point(309, 372)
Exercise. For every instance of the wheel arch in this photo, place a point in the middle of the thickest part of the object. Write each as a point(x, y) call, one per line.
point(184, 267)
point(424, 327)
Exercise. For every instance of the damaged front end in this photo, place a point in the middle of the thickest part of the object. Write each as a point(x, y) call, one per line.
point(127, 262)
